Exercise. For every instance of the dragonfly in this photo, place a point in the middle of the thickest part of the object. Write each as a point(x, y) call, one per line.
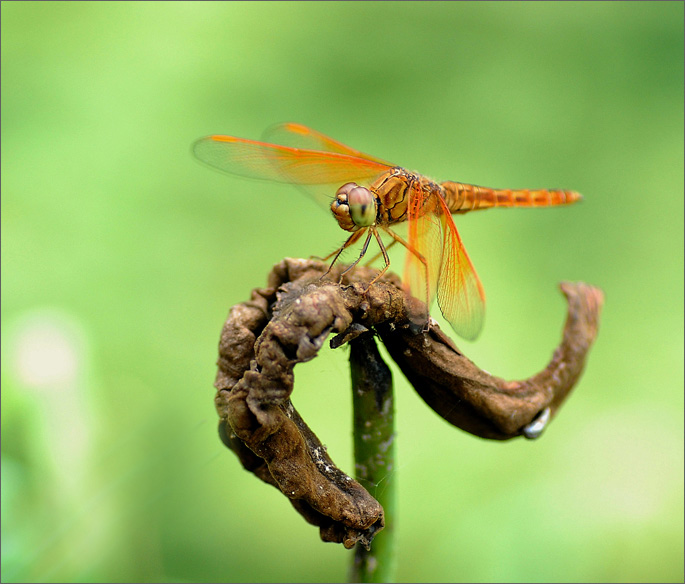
point(369, 196)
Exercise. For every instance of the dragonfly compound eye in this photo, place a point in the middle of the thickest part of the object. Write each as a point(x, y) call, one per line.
point(362, 205)
point(345, 189)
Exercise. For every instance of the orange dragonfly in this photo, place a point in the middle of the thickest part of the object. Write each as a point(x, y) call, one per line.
point(368, 195)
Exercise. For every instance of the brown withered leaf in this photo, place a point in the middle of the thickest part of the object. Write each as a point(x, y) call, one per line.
point(287, 323)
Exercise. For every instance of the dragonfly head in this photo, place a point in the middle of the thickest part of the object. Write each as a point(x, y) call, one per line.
point(354, 207)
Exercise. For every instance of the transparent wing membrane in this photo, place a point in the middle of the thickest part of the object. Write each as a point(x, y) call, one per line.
point(446, 270)
point(260, 160)
point(460, 294)
point(319, 174)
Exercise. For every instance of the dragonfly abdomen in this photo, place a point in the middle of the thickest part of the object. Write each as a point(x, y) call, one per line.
point(462, 197)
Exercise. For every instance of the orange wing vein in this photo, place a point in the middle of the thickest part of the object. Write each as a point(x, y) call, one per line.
point(300, 136)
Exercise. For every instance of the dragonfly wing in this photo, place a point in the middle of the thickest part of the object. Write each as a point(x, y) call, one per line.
point(447, 271)
point(300, 136)
point(282, 163)
point(319, 173)
point(460, 294)
point(424, 256)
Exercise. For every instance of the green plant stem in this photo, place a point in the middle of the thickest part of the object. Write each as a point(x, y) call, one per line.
point(374, 453)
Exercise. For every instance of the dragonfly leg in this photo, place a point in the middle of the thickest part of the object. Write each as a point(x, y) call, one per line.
point(350, 240)
point(384, 251)
point(380, 253)
point(410, 248)
point(335, 253)
point(372, 230)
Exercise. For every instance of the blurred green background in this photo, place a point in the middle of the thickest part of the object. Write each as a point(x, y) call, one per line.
point(121, 257)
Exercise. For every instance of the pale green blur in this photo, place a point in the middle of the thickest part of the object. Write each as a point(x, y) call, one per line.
point(121, 256)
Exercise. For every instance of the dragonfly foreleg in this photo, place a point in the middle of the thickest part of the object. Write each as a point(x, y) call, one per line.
point(365, 247)
point(380, 253)
point(384, 251)
point(350, 241)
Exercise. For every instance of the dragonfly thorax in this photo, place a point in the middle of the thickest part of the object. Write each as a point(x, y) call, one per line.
point(354, 207)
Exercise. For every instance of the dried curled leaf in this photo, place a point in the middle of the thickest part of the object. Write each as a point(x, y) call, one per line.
point(489, 406)
point(288, 322)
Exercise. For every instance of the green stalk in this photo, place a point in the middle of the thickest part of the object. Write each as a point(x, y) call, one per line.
point(374, 454)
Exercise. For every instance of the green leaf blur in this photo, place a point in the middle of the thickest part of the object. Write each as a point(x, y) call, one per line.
point(121, 256)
